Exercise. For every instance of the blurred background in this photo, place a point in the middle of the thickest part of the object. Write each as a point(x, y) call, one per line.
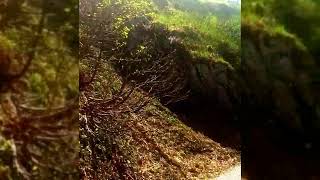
point(280, 69)
point(38, 89)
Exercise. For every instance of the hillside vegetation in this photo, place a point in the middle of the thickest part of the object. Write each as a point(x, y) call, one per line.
point(204, 30)
point(136, 59)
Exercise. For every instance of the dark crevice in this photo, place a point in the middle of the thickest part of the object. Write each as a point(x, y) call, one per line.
point(210, 118)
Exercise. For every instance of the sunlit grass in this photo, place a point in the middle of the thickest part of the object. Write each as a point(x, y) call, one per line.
point(201, 34)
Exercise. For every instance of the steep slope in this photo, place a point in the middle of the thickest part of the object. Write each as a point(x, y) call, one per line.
point(150, 142)
point(167, 149)
point(126, 130)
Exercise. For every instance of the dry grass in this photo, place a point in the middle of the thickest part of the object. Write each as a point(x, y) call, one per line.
point(169, 150)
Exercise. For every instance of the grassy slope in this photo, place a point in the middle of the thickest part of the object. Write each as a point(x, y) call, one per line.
point(154, 141)
point(157, 145)
point(164, 148)
point(201, 27)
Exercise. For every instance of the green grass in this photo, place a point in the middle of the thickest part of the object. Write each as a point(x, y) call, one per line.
point(201, 34)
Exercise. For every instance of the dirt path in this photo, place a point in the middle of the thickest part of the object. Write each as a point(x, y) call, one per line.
point(233, 173)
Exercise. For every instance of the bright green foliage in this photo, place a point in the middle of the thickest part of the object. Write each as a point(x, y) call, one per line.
point(198, 32)
point(204, 32)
